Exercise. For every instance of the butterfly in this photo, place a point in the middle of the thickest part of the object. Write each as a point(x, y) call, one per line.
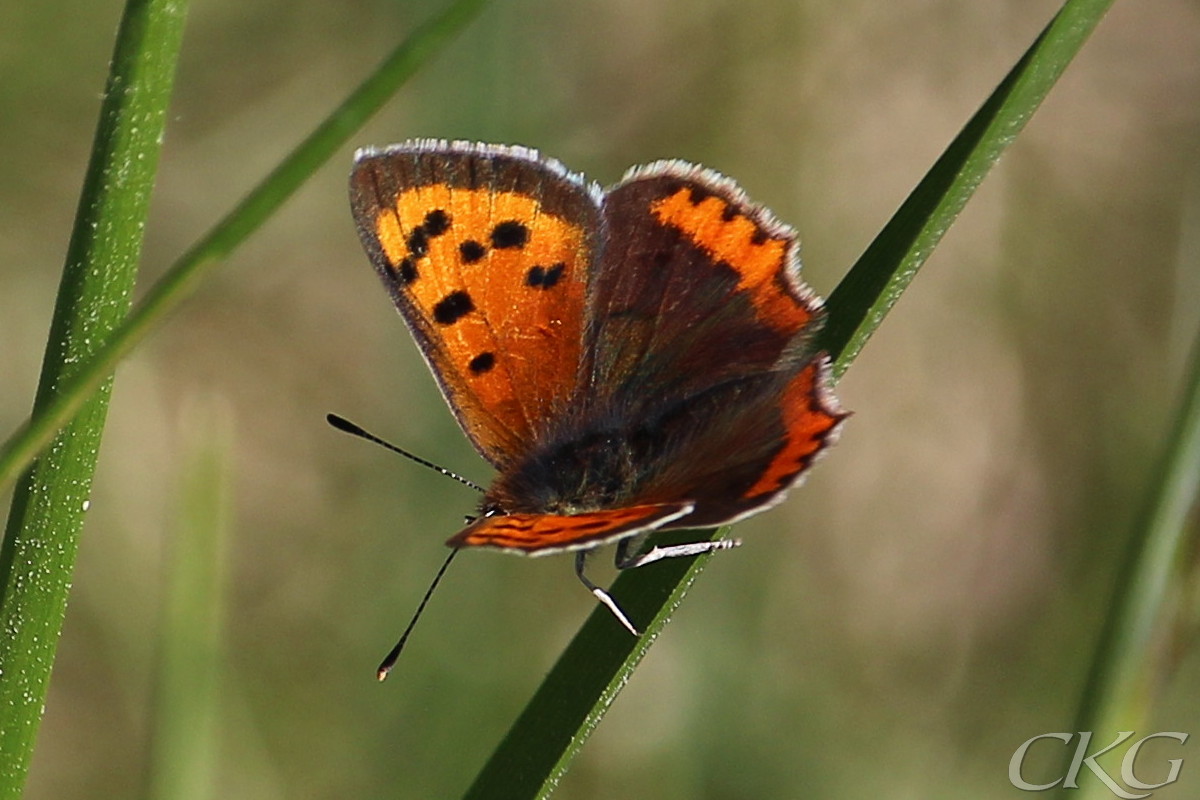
point(629, 359)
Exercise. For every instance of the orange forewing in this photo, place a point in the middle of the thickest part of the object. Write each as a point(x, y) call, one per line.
point(533, 334)
point(476, 295)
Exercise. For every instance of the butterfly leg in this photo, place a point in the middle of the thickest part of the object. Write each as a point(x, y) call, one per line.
point(628, 558)
point(601, 595)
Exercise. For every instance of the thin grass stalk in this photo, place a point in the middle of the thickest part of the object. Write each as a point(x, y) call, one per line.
point(1115, 696)
point(185, 734)
point(49, 504)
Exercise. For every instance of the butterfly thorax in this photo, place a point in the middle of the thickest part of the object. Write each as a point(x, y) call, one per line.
point(596, 469)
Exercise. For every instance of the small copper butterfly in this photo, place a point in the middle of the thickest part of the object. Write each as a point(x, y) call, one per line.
point(629, 359)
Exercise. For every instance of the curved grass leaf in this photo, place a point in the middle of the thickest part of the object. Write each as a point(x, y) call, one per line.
point(536, 751)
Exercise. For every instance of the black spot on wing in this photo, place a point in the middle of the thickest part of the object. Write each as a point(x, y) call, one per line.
point(510, 235)
point(482, 363)
point(436, 222)
point(471, 251)
point(540, 277)
point(453, 307)
point(418, 242)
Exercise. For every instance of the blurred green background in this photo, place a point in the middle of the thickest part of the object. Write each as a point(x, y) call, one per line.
point(928, 601)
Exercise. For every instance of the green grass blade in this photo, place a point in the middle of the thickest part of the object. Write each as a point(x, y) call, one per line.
point(184, 740)
point(538, 748)
point(48, 506)
point(1113, 696)
point(186, 273)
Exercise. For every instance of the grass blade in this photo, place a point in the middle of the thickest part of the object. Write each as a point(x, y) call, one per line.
point(184, 743)
point(48, 506)
point(1113, 691)
point(538, 748)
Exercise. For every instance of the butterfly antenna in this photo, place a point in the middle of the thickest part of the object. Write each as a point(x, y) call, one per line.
point(346, 426)
point(389, 661)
